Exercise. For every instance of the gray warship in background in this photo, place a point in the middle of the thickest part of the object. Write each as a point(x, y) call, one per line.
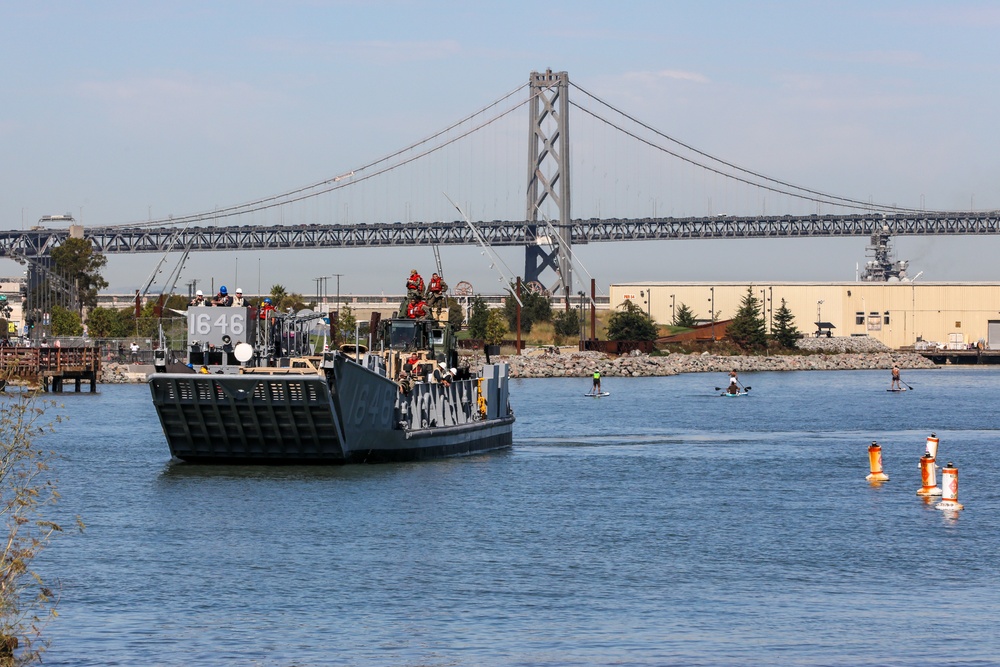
point(252, 392)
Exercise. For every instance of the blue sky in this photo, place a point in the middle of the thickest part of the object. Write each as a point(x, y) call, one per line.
point(122, 111)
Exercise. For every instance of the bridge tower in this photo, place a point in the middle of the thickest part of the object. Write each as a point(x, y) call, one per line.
point(548, 178)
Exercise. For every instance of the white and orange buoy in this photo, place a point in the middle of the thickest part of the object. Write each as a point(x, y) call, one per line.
point(949, 489)
point(875, 463)
point(932, 445)
point(928, 478)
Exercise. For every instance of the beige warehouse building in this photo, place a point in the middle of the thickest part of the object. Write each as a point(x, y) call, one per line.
point(900, 314)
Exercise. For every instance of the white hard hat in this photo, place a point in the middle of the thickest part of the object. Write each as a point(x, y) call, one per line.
point(239, 290)
point(199, 293)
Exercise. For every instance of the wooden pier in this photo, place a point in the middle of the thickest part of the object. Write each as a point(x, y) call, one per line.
point(51, 367)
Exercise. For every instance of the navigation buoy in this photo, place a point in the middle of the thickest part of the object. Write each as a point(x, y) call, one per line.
point(949, 489)
point(932, 445)
point(928, 477)
point(875, 463)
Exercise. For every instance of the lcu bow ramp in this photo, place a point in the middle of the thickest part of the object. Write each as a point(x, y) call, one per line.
point(338, 407)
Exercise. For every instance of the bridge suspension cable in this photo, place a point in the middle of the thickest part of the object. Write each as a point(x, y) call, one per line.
point(810, 195)
point(330, 184)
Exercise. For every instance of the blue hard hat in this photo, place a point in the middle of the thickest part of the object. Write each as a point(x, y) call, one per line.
point(222, 290)
point(267, 301)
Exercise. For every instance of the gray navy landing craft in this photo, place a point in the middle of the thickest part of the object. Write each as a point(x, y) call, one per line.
point(251, 393)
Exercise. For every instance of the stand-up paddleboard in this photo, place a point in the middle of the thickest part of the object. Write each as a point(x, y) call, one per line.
point(896, 390)
point(742, 393)
point(599, 394)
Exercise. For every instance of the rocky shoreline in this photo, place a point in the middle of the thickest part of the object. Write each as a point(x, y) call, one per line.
point(826, 354)
point(584, 364)
point(823, 354)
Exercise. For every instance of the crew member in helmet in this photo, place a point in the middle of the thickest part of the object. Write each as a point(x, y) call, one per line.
point(266, 308)
point(222, 298)
point(238, 300)
point(199, 299)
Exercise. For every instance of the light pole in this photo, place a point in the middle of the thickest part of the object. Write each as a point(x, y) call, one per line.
point(819, 316)
point(770, 309)
point(763, 307)
point(673, 310)
point(581, 294)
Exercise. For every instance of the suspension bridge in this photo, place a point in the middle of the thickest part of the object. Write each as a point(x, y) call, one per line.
point(639, 173)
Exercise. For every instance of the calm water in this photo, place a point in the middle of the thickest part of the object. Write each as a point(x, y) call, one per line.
point(660, 525)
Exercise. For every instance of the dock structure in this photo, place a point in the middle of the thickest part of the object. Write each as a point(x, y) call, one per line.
point(51, 367)
point(945, 357)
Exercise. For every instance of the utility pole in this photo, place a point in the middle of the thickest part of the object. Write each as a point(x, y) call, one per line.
point(321, 291)
point(337, 276)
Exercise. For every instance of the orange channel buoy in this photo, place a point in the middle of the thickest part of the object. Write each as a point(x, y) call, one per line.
point(949, 489)
point(928, 478)
point(875, 463)
point(932, 445)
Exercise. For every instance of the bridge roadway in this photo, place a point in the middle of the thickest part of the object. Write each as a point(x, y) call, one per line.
point(140, 239)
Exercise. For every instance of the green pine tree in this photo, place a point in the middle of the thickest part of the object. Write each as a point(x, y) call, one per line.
point(685, 317)
point(748, 329)
point(783, 328)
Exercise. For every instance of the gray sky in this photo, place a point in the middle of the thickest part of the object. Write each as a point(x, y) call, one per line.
point(119, 112)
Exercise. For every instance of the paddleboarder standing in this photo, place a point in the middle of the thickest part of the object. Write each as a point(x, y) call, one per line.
point(895, 379)
point(597, 383)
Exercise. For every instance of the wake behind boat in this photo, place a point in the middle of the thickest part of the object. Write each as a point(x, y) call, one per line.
point(252, 393)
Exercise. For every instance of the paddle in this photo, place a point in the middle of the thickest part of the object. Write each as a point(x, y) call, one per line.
point(907, 386)
point(745, 389)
